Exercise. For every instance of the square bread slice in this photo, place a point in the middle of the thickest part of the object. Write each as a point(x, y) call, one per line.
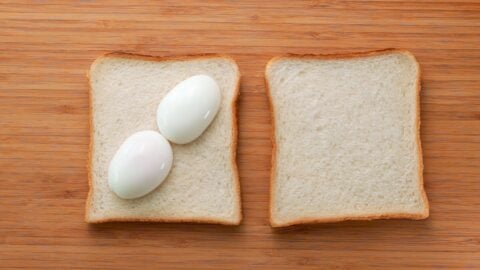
point(203, 184)
point(346, 138)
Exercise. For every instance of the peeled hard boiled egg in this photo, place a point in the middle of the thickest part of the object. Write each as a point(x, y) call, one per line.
point(140, 165)
point(188, 109)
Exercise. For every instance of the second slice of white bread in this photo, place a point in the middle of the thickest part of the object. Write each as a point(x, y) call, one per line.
point(346, 138)
point(203, 183)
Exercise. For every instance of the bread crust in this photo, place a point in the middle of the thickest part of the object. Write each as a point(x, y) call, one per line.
point(313, 220)
point(237, 220)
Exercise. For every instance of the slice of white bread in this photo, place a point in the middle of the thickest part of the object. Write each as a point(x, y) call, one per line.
point(346, 138)
point(203, 184)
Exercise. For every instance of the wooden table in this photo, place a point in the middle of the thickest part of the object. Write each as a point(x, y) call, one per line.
point(47, 46)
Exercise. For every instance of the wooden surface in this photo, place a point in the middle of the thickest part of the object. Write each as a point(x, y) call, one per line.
point(47, 46)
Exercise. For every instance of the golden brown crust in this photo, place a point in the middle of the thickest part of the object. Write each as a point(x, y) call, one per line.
point(419, 141)
point(273, 161)
point(172, 220)
point(349, 218)
point(90, 145)
point(313, 220)
point(235, 143)
point(238, 219)
point(339, 55)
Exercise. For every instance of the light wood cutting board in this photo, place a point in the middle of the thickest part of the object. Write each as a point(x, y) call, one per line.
point(47, 46)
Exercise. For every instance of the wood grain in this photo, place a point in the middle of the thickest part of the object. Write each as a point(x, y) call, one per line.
point(47, 46)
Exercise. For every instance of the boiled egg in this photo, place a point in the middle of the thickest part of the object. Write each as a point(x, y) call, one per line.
point(188, 109)
point(141, 164)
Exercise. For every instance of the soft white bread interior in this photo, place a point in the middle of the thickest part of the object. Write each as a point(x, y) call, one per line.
point(203, 183)
point(346, 138)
